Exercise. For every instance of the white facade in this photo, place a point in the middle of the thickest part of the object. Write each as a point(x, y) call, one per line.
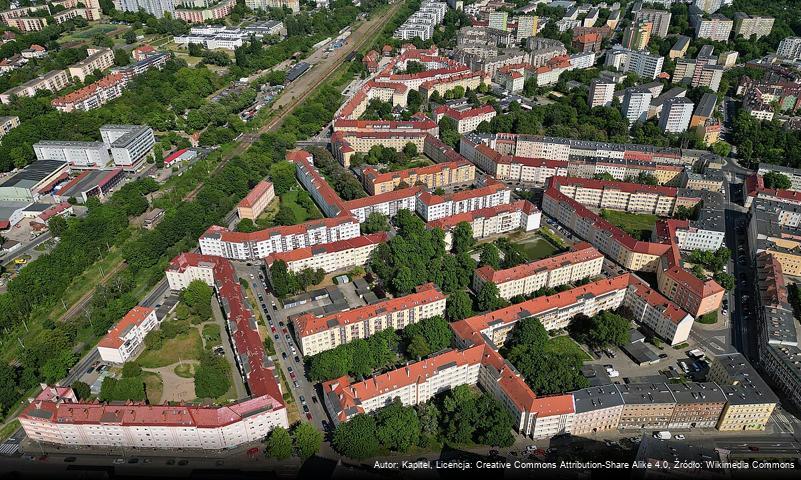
point(157, 8)
point(790, 48)
point(78, 154)
point(423, 22)
point(717, 28)
point(636, 104)
point(676, 115)
point(294, 5)
point(129, 144)
point(653, 310)
point(642, 63)
point(126, 339)
point(433, 207)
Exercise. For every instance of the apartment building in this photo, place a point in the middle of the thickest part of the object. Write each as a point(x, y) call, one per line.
point(601, 93)
point(583, 262)
point(527, 27)
point(127, 338)
point(416, 383)
point(293, 5)
point(749, 400)
point(705, 110)
point(486, 222)
point(318, 334)
point(439, 175)
point(467, 119)
point(636, 103)
point(129, 144)
point(157, 8)
point(676, 115)
point(92, 96)
point(53, 80)
point(388, 204)
point(211, 12)
point(793, 174)
point(433, 207)
point(587, 42)
point(641, 62)
point(659, 314)
point(27, 24)
point(597, 409)
point(221, 242)
point(78, 154)
point(708, 6)
point(331, 257)
point(422, 23)
point(790, 48)
point(637, 35)
point(7, 124)
point(660, 19)
point(646, 406)
point(710, 181)
point(715, 27)
point(508, 168)
point(99, 59)
point(7, 15)
point(752, 25)
point(256, 201)
point(679, 49)
point(698, 405)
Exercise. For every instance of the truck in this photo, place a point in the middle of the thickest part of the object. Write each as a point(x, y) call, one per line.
point(696, 354)
point(663, 435)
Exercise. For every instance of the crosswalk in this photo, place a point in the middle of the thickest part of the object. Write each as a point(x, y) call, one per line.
point(9, 448)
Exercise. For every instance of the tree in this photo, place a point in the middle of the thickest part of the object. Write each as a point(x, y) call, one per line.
point(282, 174)
point(608, 329)
point(81, 389)
point(279, 444)
point(130, 37)
point(410, 150)
point(404, 281)
point(489, 298)
point(777, 180)
point(197, 297)
point(282, 279)
point(725, 280)
point(463, 239)
point(490, 255)
point(131, 370)
point(307, 440)
point(397, 427)
point(448, 131)
point(418, 347)
point(121, 57)
point(458, 306)
point(58, 225)
point(211, 377)
point(721, 148)
point(376, 222)
point(357, 437)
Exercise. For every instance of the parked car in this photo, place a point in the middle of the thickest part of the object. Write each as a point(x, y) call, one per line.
point(283, 355)
point(679, 437)
point(309, 416)
point(302, 400)
point(305, 408)
point(296, 384)
point(118, 461)
point(297, 359)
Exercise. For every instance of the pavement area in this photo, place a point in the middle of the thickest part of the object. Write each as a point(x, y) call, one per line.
point(175, 388)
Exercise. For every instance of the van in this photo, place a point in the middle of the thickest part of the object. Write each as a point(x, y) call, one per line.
point(663, 435)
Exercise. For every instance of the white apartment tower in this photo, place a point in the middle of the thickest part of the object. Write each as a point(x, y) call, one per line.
point(636, 103)
point(601, 93)
point(676, 115)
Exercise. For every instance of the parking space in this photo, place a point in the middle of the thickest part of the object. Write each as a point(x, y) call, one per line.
point(670, 363)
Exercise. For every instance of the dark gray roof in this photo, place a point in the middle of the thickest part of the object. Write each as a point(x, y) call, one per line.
point(34, 173)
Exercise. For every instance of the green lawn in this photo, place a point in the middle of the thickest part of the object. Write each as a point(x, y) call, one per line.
point(538, 248)
point(188, 346)
point(638, 225)
point(9, 429)
point(90, 32)
point(565, 344)
point(185, 370)
point(290, 199)
point(154, 387)
point(211, 333)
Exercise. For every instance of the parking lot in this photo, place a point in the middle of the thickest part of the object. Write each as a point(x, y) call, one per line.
point(670, 362)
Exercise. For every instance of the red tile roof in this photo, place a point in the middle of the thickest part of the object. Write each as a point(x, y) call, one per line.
point(463, 114)
point(338, 246)
point(82, 94)
point(136, 316)
point(582, 252)
point(256, 194)
point(262, 235)
point(451, 221)
point(308, 324)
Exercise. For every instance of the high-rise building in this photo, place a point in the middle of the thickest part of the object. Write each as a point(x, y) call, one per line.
point(708, 6)
point(293, 5)
point(790, 48)
point(601, 93)
point(643, 63)
point(636, 103)
point(526, 27)
point(659, 18)
point(157, 8)
point(748, 25)
point(637, 35)
point(676, 115)
point(716, 28)
point(498, 20)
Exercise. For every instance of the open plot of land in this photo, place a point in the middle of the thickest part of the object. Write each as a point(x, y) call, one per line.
point(154, 387)
point(186, 346)
point(290, 200)
point(638, 225)
point(565, 344)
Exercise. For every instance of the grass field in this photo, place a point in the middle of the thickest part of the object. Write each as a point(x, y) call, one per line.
point(88, 33)
point(185, 370)
point(9, 429)
point(211, 334)
point(565, 344)
point(188, 346)
point(153, 386)
point(638, 225)
point(538, 248)
point(290, 199)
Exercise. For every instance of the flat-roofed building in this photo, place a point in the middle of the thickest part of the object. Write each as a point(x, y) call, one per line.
point(646, 406)
point(33, 180)
point(81, 155)
point(99, 59)
point(53, 80)
point(698, 405)
point(129, 144)
point(7, 124)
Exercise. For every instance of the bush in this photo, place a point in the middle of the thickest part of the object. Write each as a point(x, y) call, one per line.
point(131, 370)
point(211, 377)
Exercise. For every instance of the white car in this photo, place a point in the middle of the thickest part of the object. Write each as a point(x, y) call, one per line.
point(679, 437)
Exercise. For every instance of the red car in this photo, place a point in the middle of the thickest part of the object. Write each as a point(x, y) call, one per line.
point(272, 328)
point(309, 416)
point(292, 374)
point(285, 330)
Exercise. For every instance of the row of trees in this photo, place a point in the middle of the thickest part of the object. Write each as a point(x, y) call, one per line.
point(461, 416)
point(304, 441)
point(286, 282)
point(345, 184)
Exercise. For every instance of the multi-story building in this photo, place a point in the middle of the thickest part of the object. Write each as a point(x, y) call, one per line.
point(708, 6)
point(256, 201)
point(157, 8)
point(221, 242)
point(588, 42)
point(293, 5)
point(330, 257)
point(486, 222)
point(208, 12)
point(583, 262)
point(423, 22)
point(388, 204)
point(698, 405)
point(318, 334)
point(704, 111)
point(78, 154)
point(636, 103)
point(439, 175)
point(99, 59)
point(790, 48)
point(7, 124)
point(92, 96)
point(716, 27)
point(544, 49)
point(53, 80)
point(659, 18)
point(676, 115)
point(637, 35)
point(643, 63)
point(127, 338)
point(129, 144)
point(433, 207)
point(511, 169)
point(598, 409)
point(601, 94)
point(646, 406)
point(660, 315)
point(679, 49)
point(467, 119)
point(749, 400)
point(752, 25)
point(526, 27)
point(793, 174)
point(498, 20)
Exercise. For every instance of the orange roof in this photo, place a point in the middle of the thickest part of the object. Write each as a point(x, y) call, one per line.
point(583, 252)
point(463, 114)
point(257, 193)
point(325, 248)
point(136, 316)
point(446, 223)
point(308, 324)
point(83, 93)
point(227, 235)
point(371, 175)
